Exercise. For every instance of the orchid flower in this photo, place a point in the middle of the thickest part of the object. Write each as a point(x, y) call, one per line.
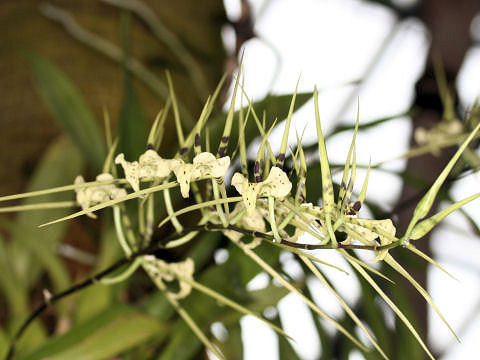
point(93, 195)
point(204, 164)
point(369, 230)
point(276, 185)
point(163, 271)
point(150, 165)
point(437, 135)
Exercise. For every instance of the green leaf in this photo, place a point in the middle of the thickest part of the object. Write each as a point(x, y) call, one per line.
point(232, 348)
point(98, 297)
point(374, 316)
point(327, 185)
point(61, 163)
point(397, 267)
point(283, 146)
point(15, 294)
point(425, 204)
point(292, 289)
point(109, 203)
point(366, 125)
point(112, 332)
point(268, 296)
point(346, 170)
point(391, 304)
point(405, 347)
point(247, 268)
point(203, 310)
point(423, 227)
point(285, 350)
point(344, 305)
point(69, 109)
point(224, 300)
point(34, 248)
point(3, 344)
point(131, 128)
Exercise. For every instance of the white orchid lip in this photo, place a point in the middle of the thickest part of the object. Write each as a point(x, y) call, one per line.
point(93, 195)
point(203, 165)
point(276, 184)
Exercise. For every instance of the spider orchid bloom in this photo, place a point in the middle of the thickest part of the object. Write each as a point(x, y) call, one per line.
point(366, 228)
point(163, 271)
point(204, 164)
point(433, 137)
point(276, 184)
point(312, 216)
point(93, 195)
point(149, 165)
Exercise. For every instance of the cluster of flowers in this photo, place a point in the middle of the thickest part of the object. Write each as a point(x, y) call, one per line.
point(150, 166)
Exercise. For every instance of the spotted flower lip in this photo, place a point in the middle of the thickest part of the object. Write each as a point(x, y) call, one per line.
point(93, 195)
point(203, 165)
point(276, 184)
point(149, 165)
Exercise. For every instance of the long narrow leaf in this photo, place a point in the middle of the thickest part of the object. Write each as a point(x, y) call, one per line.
point(425, 204)
point(392, 305)
point(109, 203)
point(291, 288)
point(397, 267)
point(327, 185)
point(344, 305)
point(68, 108)
point(424, 226)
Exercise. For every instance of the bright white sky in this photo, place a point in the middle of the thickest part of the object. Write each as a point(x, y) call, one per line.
point(329, 44)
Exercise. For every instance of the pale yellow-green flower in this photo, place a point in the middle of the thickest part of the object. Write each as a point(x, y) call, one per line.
point(276, 184)
point(149, 166)
point(437, 135)
point(163, 271)
point(366, 228)
point(93, 195)
point(203, 165)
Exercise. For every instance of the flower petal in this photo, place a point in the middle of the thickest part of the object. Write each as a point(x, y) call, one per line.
point(183, 172)
point(131, 170)
point(276, 184)
point(208, 165)
point(93, 195)
point(238, 181)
